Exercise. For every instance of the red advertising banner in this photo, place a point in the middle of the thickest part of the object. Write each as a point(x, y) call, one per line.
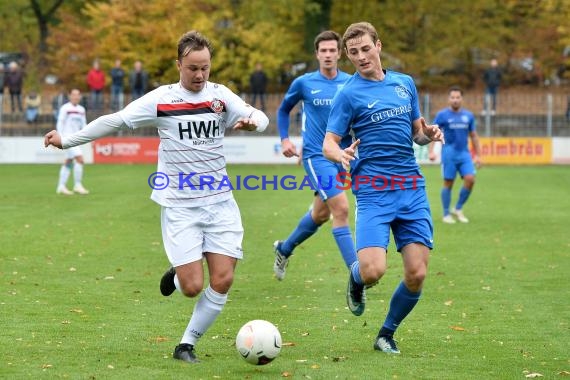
point(125, 150)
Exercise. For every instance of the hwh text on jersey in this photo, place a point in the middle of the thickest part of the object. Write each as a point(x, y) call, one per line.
point(199, 129)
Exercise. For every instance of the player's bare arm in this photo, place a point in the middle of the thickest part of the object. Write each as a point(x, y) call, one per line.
point(288, 148)
point(257, 121)
point(477, 147)
point(424, 134)
point(333, 152)
point(52, 138)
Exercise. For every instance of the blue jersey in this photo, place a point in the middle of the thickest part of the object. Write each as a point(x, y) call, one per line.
point(315, 92)
point(380, 114)
point(456, 127)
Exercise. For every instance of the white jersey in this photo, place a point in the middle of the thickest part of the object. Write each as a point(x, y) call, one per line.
point(191, 128)
point(70, 119)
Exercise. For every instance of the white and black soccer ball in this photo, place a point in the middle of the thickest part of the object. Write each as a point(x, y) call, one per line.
point(258, 342)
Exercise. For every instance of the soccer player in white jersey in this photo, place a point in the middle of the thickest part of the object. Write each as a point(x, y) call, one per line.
point(315, 91)
point(71, 119)
point(198, 222)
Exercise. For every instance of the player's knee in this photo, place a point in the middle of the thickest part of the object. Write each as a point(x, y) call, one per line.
point(222, 283)
point(341, 213)
point(190, 288)
point(321, 216)
point(415, 279)
point(372, 272)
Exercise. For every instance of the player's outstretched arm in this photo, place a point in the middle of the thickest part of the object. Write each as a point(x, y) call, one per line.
point(100, 127)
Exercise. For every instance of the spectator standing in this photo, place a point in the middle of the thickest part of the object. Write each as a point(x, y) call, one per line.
point(117, 86)
point(33, 102)
point(96, 84)
point(258, 85)
point(492, 78)
point(138, 81)
point(14, 79)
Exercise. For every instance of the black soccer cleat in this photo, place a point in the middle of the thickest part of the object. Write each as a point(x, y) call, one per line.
point(167, 286)
point(355, 296)
point(185, 352)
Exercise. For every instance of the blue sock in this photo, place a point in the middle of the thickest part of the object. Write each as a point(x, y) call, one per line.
point(304, 230)
point(355, 270)
point(445, 200)
point(345, 244)
point(463, 196)
point(402, 302)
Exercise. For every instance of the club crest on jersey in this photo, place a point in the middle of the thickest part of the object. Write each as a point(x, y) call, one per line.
point(402, 92)
point(217, 106)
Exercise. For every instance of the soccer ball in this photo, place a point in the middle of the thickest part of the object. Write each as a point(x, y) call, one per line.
point(258, 342)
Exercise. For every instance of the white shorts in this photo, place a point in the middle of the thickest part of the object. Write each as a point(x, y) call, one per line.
point(73, 152)
point(189, 232)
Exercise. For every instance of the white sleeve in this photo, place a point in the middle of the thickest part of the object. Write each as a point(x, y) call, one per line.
point(102, 126)
point(260, 119)
point(238, 108)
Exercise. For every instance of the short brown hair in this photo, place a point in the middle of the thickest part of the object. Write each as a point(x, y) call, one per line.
point(192, 41)
point(328, 35)
point(360, 29)
point(455, 88)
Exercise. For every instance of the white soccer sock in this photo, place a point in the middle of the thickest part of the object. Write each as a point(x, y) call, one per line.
point(205, 313)
point(77, 173)
point(177, 283)
point(63, 175)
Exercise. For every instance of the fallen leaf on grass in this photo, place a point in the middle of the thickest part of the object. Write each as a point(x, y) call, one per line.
point(564, 373)
point(448, 303)
point(286, 374)
point(533, 375)
point(457, 328)
point(287, 344)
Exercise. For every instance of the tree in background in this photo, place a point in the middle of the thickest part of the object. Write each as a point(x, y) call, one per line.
point(437, 41)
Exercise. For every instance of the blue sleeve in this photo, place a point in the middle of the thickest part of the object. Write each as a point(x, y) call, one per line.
point(472, 123)
point(292, 97)
point(416, 114)
point(437, 120)
point(340, 116)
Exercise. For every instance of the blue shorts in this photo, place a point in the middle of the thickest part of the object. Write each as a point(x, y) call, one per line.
point(406, 212)
point(453, 162)
point(323, 175)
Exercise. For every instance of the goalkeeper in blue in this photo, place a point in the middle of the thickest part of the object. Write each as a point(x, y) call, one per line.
point(315, 91)
point(459, 126)
point(380, 109)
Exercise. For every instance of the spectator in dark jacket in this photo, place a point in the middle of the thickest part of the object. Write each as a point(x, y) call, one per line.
point(258, 85)
point(492, 77)
point(14, 79)
point(138, 81)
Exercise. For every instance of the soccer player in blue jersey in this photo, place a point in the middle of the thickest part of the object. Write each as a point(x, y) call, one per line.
point(315, 91)
point(458, 125)
point(381, 109)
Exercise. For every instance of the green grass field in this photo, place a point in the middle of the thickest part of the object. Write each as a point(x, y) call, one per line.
point(80, 298)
